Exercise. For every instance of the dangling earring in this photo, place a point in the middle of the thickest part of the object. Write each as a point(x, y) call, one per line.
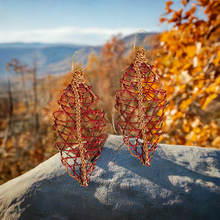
point(141, 102)
point(79, 123)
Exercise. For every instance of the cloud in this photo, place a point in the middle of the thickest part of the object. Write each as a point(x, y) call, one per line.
point(75, 35)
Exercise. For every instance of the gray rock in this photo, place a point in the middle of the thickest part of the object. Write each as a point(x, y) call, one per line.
point(182, 183)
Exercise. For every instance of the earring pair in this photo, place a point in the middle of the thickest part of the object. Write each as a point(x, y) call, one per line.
point(80, 121)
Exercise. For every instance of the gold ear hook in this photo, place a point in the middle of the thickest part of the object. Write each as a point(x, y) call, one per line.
point(74, 56)
point(136, 36)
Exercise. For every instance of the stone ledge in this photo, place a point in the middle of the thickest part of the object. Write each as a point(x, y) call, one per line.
point(182, 182)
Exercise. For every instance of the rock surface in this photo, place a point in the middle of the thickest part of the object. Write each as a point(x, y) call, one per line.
point(182, 183)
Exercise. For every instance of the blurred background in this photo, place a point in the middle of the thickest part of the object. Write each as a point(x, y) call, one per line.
point(38, 39)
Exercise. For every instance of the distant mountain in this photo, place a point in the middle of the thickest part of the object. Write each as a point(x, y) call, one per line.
point(51, 58)
point(34, 45)
point(129, 40)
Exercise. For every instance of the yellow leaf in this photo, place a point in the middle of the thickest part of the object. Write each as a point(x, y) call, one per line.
point(182, 87)
point(173, 69)
point(160, 112)
point(202, 100)
point(208, 100)
point(217, 81)
point(177, 63)
point(201, 76)
point(217, 59)
point(186, 128)
point(179, 52)
point(177, 115)
point(186, 66)
point(194, 137)
point(170, 90)
point(216, 141)
point(200, 84)
point(214, 125)
point(196, 70)
point(211, 88)
point(196, 130)
point(191, 50)
point(185, 104)
point(161, 138)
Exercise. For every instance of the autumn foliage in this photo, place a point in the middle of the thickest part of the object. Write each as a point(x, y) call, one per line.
point(25, 134)
point(189, 62)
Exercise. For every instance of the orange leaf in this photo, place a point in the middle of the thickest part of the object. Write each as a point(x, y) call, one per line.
point(190, 12)
point(177, 115)
point(185, 104)
point(208, 100)
point(161, 138)
point(191, 50)
point(211, 88)
point(186, 128)
point(168, 4)
point(163, 19)
point(217, 59)
point(217, 81)
point(183, 86)
point(202, 100)
point(216, 141)
point(193, 8)
point(196, 130)
point(184, 2)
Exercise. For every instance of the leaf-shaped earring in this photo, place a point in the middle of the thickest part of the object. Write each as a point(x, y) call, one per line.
point(79, 123)
point(141, 102)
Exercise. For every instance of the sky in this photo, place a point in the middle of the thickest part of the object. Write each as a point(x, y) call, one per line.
point(86, 22)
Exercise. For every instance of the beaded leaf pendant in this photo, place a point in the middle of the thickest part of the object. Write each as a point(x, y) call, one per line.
point(141, 102)
point(79, 123)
